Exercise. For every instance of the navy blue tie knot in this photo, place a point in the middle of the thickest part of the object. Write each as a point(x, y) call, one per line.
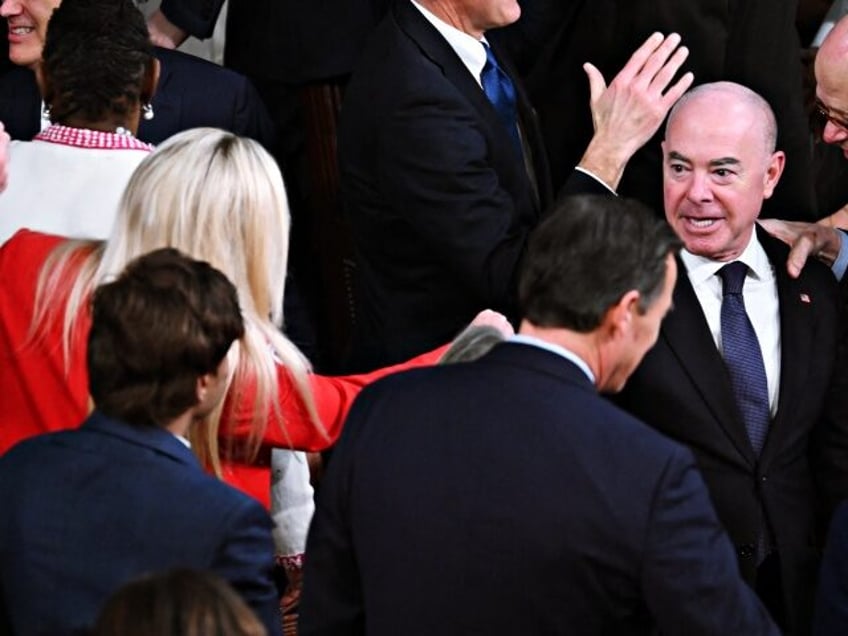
point(500, 90)
point(733, 276)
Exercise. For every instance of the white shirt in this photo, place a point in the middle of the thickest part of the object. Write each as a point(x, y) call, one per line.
point(67, 189)
point(761, 303)
point(469, 49)
point(557, 349)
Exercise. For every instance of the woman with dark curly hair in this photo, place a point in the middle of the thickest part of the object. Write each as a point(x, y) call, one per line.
point(97, 76)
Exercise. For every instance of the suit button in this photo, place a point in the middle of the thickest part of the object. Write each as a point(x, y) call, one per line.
point(764, 478)
point(745, 551)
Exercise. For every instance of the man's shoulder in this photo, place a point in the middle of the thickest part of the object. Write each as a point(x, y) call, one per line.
point(195, 69)
point(17, 77)
point(814, 272)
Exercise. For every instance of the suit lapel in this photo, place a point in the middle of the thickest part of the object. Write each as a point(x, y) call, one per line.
point(688, 336)
point(796, 339)
point(437, 50)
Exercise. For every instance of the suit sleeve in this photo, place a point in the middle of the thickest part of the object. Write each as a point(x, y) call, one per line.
point(831, 615)
point(829, 441)
point(197, 17)
point(250, 116)
point(690, 577)
point(332, 601)
point(246, 560)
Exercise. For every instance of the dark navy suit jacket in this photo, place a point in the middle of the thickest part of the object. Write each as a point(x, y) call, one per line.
point(191, 93)
point(504, 496)
point(84, 511)
point(440, 203)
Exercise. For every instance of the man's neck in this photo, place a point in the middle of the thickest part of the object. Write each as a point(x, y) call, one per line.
point(583, 345)
point(447, 12)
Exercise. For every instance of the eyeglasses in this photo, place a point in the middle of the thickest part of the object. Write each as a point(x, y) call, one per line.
point(824, 113)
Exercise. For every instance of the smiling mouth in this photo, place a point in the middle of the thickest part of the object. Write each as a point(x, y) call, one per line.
point(21, 30)
point(700, 224)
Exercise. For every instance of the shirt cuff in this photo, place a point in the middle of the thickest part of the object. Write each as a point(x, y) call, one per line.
point(841, 263)
point(591, 174)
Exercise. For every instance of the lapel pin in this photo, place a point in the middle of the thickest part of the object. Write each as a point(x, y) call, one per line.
point(805, 298)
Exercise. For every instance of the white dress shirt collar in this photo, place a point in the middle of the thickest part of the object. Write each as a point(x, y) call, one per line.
point(468, 48)
point(700, 268)
point(554, 348)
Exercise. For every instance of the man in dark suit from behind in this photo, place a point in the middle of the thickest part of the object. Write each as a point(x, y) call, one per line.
point(750, 391)
point(504, 496)
point(86, 510)
point(190, 93)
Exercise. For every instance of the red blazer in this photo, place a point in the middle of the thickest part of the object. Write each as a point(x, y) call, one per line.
point(40, 393)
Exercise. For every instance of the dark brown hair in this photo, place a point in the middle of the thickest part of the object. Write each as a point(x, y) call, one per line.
point(587, 254)
point(177, 602)
point(166, 321)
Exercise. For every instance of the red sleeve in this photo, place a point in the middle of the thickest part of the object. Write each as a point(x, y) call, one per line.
point(333, 395)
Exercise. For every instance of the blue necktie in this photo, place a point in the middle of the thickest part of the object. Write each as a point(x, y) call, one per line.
point(501, 92)
point(743, 357)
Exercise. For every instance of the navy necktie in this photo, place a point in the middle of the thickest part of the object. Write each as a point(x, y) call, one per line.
point(501, 92)
point(743, 357)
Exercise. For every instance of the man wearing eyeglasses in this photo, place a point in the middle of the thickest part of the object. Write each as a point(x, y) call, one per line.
point(822, 240)
point(827, 243)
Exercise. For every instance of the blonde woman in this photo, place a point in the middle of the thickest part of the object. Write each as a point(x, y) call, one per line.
point(216, 197)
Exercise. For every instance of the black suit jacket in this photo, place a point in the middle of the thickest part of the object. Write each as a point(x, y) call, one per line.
point(191, 93)
point(682, 389)
point(439, 202)
point(85, 511)
point(504, 496)
point(752, 42)
point(290, 41)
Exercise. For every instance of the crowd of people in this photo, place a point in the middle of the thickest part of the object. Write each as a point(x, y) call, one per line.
point(589, 390)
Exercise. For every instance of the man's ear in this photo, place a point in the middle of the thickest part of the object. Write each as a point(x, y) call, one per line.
point(45, 86)
point(773, 172)
point(619, 317)
point(202, 386)
point(151, 79)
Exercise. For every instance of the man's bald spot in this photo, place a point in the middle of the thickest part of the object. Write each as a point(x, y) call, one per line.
point(742, 95)
point(835, 45)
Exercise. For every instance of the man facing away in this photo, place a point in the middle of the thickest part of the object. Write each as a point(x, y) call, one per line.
point(86, 510)
point(504, 496)
point(743, 369)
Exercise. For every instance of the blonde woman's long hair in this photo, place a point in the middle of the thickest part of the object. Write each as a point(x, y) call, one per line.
point(219, 198)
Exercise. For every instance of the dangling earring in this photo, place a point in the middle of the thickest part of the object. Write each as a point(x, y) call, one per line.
point(147, 111)
point(45, 111)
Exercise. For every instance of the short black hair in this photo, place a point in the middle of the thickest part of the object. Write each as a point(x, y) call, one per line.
point(95, 58)
point(586, 255)
point(163, 323)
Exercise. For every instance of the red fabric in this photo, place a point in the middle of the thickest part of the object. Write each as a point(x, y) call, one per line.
point(37, 396)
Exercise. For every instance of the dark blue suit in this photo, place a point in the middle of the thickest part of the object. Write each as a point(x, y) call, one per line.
point(86, 510)
point(504, 496)
point(191, 93)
